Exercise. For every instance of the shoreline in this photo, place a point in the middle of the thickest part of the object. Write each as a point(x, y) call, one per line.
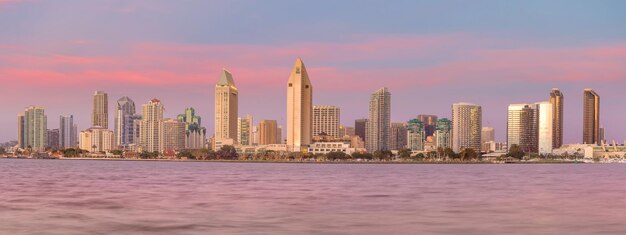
point(313, 162)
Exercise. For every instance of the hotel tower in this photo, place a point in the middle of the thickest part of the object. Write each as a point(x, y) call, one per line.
point(299, 108)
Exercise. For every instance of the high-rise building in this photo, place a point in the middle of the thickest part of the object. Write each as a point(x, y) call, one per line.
point(195, 133)
point(268, 132)
point(415, 135)
point(100, 114)
point(443, 134)
point(326, 120)
point(279, 135)
point(359, 127)
point(97, 139)
point(545, 122)
point(591, 117)
point(379, 122)
point(487, 134)
point(429, 122)
point(466, 126)
point(67, 132)
point(53, 138)
point(174, 135)
point(244, 130)
point(226, 107)
point(601, 137)
point(124, 118)
point(299, 108)
point(398, 136)
point(346, 131)
point(522, 127)
point(33, 129)
point(151, 127)
point(557, 99)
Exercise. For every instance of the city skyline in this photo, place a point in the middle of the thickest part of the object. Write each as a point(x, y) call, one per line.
point(450, 64)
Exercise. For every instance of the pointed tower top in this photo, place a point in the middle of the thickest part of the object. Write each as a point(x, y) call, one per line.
point(226, 78)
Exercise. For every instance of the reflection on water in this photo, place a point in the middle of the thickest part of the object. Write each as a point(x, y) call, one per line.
point(133, 197)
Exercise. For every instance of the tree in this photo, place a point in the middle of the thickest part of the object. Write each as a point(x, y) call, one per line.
point(468, 154)
point(449, 153)
point(227, 152)
point(418, 157)
point(382, 154)
point(516, 152)
point(2, 151)
point(185, 154)
point(116, 152)
point(365, 156)
point(404, 153)
point(336, 156)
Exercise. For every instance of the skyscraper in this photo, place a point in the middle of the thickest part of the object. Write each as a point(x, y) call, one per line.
point(299, 108)
point(601, 137)
point(195, 133)
point(151, 127)
point(226, 107)
point(33, 129)
point(326, 120)
point(359, 127)
point(398, 136)
point(415, 135)
point(487, 134)
point(379, 122)
point(53, 138)
point(557, 100)
point(545, 122)
point(268, 132)
point(429, 122)
point(244, 130)
point(174, 134)
point(466, 126)
point(124, 118)
point(100, 114)
point(346, 131)
point(443, 133)
point(591, 117)
point(67, 132)
point(522, 127)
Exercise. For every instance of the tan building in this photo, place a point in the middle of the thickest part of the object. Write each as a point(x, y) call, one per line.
point(398, 136)
point(299, 108)
point(379, 122)
point(591, 117)
point(244, 130)
point(268, 132)
point(522, 127)
point(151, 127)
point(100, 114)
point(173, 135)
point(466, 126)
point(97, 139)
point(326, 120)
point(557, 100)
point(226, 106)
point(346, 131)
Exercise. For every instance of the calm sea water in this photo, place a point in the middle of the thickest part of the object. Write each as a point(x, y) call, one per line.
point(129, 197)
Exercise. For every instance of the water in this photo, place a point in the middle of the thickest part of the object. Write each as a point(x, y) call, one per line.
point(131, 197)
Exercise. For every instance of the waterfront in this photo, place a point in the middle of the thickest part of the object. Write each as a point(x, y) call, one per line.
point(156, 197)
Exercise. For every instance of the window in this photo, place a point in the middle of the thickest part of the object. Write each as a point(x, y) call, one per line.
point(290, 85)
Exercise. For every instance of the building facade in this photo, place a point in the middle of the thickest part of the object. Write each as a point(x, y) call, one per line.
point(415, 135)
point(195, 133)
point(545, 122)
point(268, 132)
point(244, 130)
point(100, 113)
point(326, 120)
point(443, 134)
point(429, 122)
point(398, 136)
point(53, 138)
point(174, 135)
point(97, 139)
point(299, 108)
point(124, 117)
point(522, 127)
point(379, 122)
point(466, 126)
point(33, 129)
point(68, 136)
point(226, 108)
point(151, 127)
point(557, 100)
point(591, 117)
